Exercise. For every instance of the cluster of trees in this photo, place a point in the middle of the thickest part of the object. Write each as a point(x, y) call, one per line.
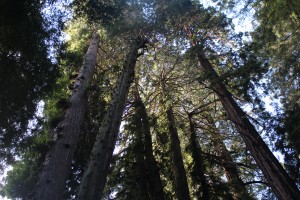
point(144, 100)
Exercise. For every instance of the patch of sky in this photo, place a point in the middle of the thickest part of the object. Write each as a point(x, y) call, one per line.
point(243, 21)
point(56, 13)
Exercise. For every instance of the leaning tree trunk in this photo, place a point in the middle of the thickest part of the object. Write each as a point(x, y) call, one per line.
point(94, 178)
point(52, 181)
point(280, 182)
point(155, 186)
point(199, 167)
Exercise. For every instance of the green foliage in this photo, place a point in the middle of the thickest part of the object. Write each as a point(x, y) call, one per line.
point(124, 177)
point(77, 37)
point(99, 11)
point(246, 72)
point(287, 141)
point(27, 74)
point(292, 127)
point(277, 39)
point(21, 180)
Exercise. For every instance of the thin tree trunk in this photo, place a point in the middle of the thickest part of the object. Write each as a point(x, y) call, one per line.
point(52, 182)
point(94, 178)
point(280, 182)
point(231, 172)
point(181, 185)
point(155, 186)
point(179, 173)
point(198, 162)
point(237, 186)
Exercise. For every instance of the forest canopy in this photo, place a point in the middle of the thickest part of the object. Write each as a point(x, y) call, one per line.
point(149, 99)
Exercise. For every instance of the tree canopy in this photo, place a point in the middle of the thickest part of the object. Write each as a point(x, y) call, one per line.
point(143, 100)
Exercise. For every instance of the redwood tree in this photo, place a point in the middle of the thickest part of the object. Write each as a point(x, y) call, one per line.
point(95, 175)
point(155, 186)
point(52, 181)
point(279, 180)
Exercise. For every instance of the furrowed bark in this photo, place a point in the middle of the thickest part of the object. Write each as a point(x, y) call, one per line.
point(155, 186)
point(94, 178)
point(278, 179)
point(52, 182)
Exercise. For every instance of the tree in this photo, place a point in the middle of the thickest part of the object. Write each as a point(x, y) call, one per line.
point(155, 186)
point(53, 179)
point(231, 171)
point(199, 166)
point(275, 37)
point(133, 172)
point(184, 135)
point(179, 173)
point(282, 185)
point(94, 178)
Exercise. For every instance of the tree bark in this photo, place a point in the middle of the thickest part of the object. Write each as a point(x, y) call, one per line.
point(155, 186)
point(139, 151)
point(280, 182)
point(179, 173)
point(52, 181)
point(181, 185)
point(94, 178)
point(199, 167)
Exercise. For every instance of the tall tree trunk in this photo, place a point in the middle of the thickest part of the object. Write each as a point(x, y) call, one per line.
point(52, 182)
point(181, 185)
point(280, 182)
point(155, 186)
point(139, 151)
point(199, 167)
point(179, 173)
point(94, 178)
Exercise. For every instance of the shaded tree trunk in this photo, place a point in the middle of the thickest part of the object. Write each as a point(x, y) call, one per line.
point(94, 178)
point(52, 182)
point(181, 185)
point(199, 167)
point(141, 172)
point(155, 186)
point(179, 173)
point(280, 182)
